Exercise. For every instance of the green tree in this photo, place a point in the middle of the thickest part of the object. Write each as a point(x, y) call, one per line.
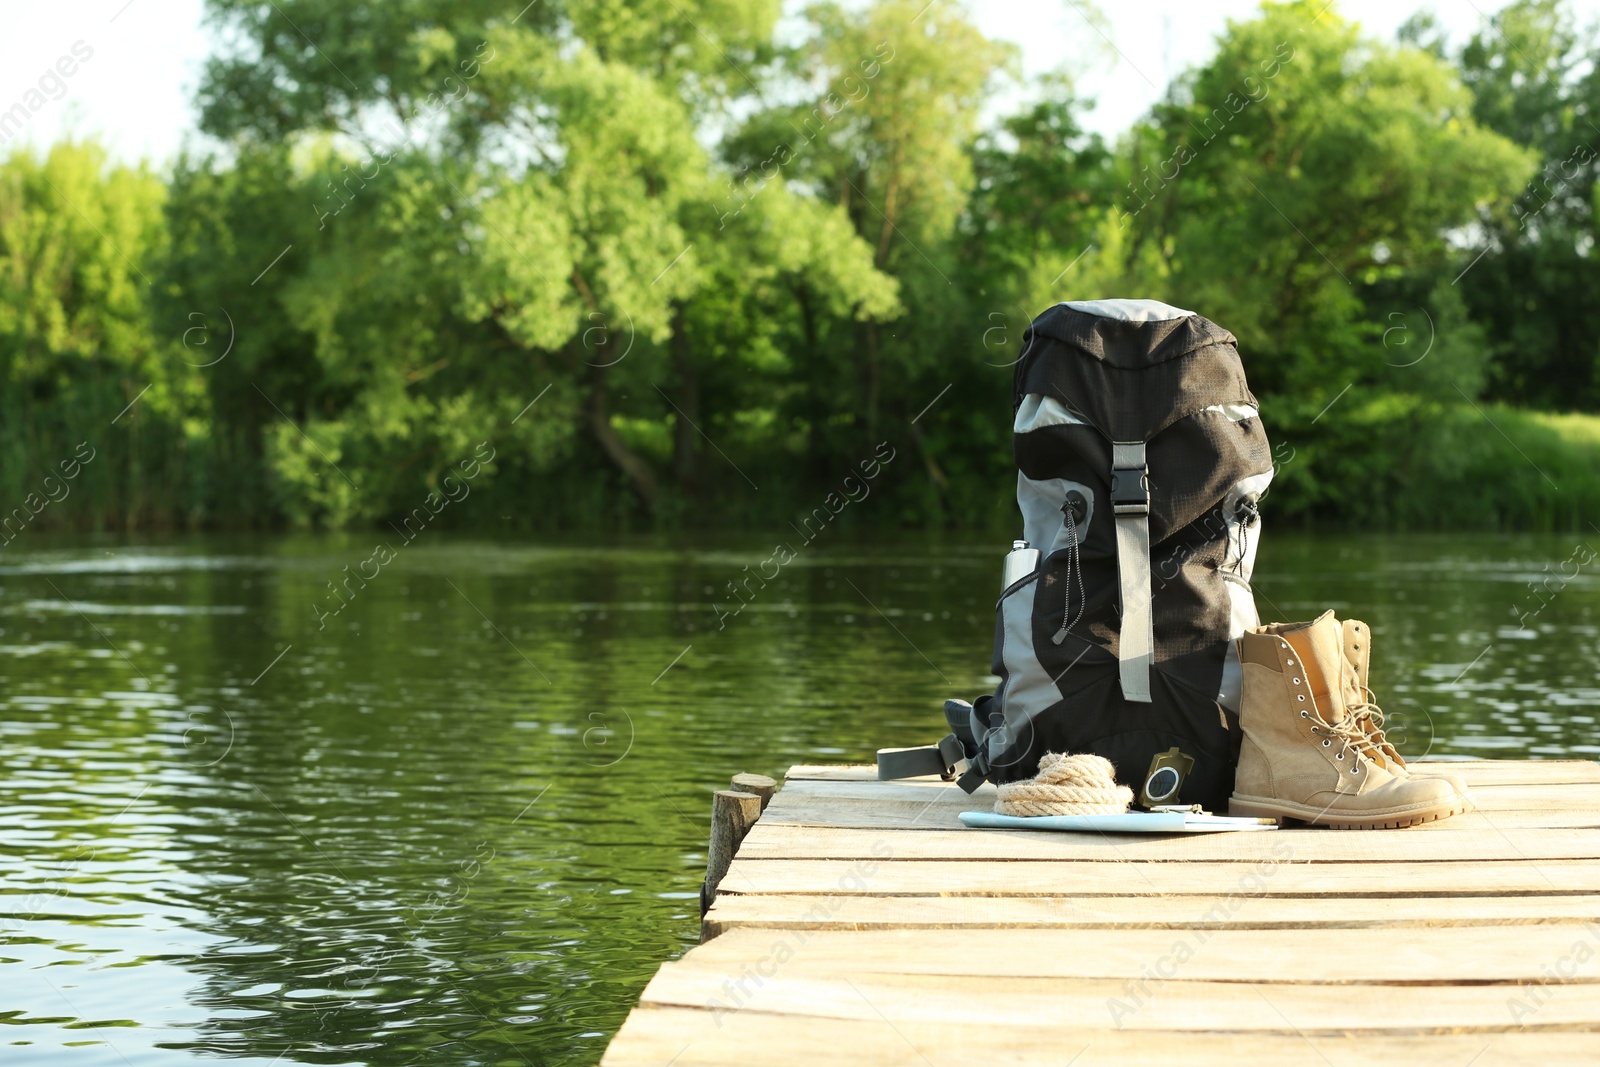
point(657, 253)
point(882, 114)
point(551, 221)
point(1034, 233)
point(1301, 166)
point(79, 241)
point(1534, 270)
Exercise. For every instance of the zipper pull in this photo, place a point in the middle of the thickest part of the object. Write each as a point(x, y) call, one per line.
point(1073, 510)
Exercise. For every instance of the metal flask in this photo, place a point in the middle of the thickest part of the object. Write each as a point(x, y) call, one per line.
point(1021, 561)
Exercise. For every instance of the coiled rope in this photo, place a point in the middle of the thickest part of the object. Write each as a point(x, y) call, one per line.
point(1080, 784)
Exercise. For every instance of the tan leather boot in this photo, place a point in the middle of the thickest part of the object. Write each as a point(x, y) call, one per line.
point(1363, 706)
point(1304, 755)
point(1358, 697)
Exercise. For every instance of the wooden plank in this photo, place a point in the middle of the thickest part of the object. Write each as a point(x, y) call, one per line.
point(1473, 772)
point(1476, 772)
point(937, 813)
point(777, 840)
point(1151, 1003)
point(909, 789)
point(839, 772)
point(942, 796)
point(933, 791)
point(695, 1037)
point(1084, 878)
point(846, 930)
point(1405, 954)
point(855, 911)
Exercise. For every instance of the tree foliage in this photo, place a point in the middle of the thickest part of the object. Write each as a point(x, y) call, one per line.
point(79, 243)
point(1533, 79)
point(674, 263)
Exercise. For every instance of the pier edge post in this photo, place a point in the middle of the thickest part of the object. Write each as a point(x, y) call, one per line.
point(732, 814)
point(759, 784)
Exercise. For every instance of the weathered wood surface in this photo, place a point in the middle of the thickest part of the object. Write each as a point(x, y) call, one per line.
point(1189, 911)
point(733, 813)
point(788, 841)
point(1077, 880)
point(696, 1037)
point(1473, 772)
point(861, 924)
point(759, 784)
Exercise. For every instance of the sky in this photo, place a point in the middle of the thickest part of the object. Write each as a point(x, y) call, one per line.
point(135, 89)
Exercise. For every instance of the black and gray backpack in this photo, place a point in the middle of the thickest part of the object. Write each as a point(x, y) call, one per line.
point(1140, 461)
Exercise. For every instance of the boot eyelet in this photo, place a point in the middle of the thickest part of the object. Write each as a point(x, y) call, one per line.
point(1297, 681)
point(1305, 715)
point(1301, 698)
point(1339, 756)
point(1326, 742)
point(1356, 769)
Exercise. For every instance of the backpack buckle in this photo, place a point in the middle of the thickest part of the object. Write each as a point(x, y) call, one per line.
point(1130, 490)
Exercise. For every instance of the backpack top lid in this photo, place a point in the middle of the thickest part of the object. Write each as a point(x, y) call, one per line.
point(1128, 310)
point(1130, 368)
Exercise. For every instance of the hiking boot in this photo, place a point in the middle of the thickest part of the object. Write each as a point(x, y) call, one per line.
point(1363, 706)
point(1357, 639)
point(1305, 756)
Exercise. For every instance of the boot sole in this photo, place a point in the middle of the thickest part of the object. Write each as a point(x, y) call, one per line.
point(1394, 819)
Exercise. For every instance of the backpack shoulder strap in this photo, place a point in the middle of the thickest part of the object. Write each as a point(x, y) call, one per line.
point(1130, 501)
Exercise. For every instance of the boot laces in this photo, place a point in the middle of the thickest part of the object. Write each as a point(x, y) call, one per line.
point(1367, 713)
point(1367, 709)
point(1351, 734)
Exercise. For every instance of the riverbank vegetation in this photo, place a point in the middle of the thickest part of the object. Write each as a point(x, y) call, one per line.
point(674, 265)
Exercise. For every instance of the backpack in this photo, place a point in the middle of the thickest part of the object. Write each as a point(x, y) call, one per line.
point(1140, 461)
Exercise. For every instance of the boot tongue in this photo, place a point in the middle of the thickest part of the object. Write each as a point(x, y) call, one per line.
point(1358, 658)
point(1320, 646)
point(1357, 643)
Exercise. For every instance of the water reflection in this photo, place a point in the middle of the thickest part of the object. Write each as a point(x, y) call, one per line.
point(462, 818)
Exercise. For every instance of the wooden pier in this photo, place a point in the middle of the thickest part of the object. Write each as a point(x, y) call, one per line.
point(860, 923)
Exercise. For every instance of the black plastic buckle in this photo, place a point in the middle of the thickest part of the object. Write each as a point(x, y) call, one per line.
point(1130, 491)
point(952, 752)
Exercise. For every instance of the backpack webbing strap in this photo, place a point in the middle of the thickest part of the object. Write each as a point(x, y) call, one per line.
point(938, 759)
point(1130, 500)
point(968, 740)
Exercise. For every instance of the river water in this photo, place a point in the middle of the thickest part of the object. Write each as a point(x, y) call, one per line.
point(457, 813)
